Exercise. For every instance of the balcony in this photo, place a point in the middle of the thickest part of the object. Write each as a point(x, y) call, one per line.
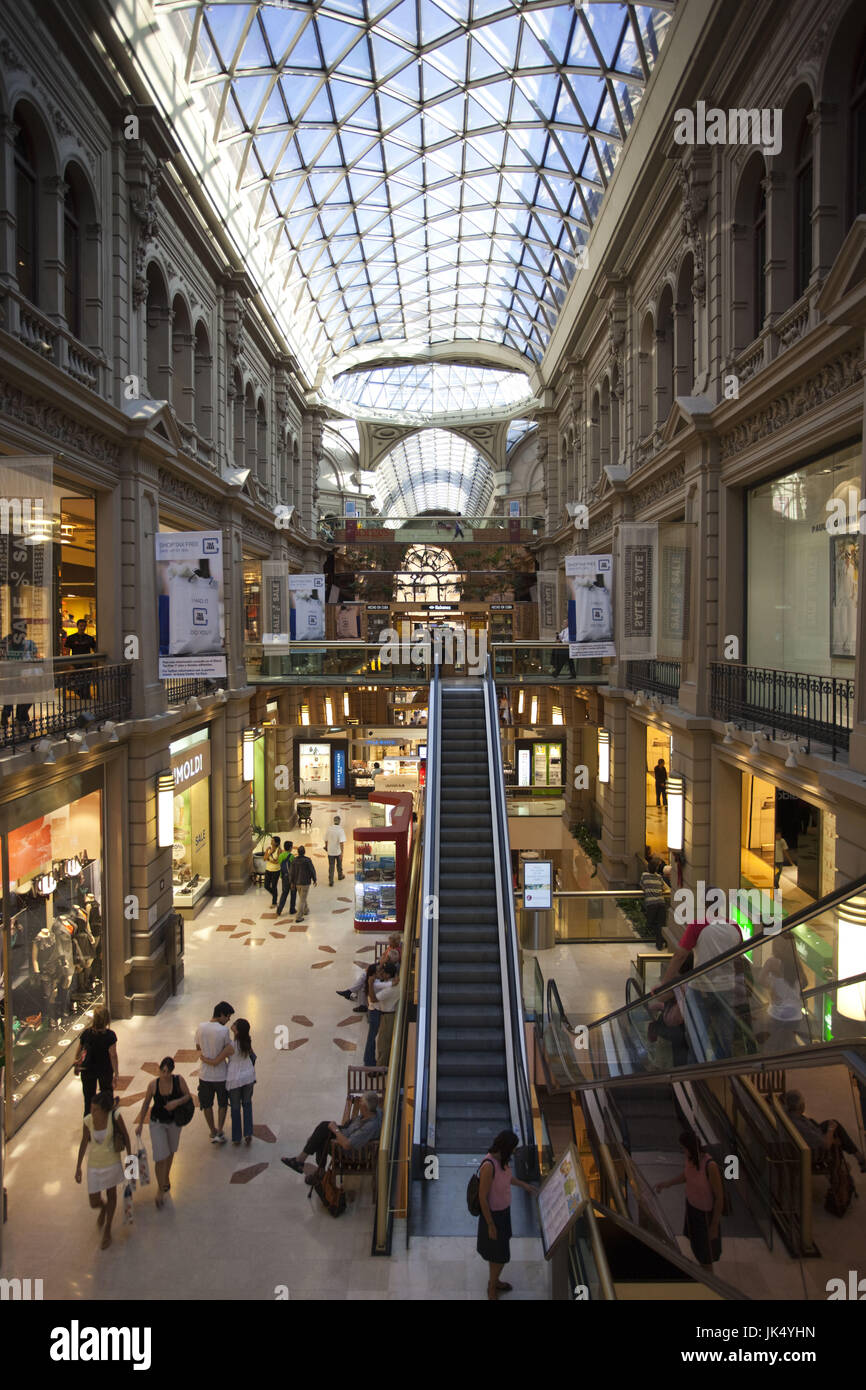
point(360, 663)
point(818, 709)
point(50, 341)
point(84, 694)
point(656, 677)
point(177, 692)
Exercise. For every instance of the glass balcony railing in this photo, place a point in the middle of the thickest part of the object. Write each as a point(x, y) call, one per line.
point(588, 916)
point(401, 663)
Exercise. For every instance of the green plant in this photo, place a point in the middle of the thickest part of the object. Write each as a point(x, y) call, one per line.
point(634, 911)
point(588, 843)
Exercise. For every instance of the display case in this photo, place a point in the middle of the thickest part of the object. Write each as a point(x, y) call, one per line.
point(381, 865)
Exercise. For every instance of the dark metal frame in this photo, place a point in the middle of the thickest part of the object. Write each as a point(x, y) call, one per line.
point(819, 708)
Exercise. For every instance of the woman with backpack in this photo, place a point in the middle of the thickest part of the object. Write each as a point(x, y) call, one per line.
point(240, 1080)
point(705, 1199)
point(495, 1180)
point(104, 1138)
point(167, 1094)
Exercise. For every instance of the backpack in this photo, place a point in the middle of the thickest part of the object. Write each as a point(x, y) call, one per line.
point(473, 1191)
point(330, 1194)
point(841, 1189)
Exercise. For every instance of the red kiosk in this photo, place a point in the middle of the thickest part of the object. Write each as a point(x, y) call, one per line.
point(382, 865)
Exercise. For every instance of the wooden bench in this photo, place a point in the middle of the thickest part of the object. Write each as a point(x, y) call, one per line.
point(359, 1163)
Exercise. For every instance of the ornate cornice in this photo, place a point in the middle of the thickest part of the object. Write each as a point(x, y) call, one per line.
point(37, 414)
point(659, 487)
point(179, 490)
point(832, 379)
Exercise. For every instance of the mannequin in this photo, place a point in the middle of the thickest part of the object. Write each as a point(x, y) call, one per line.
point(47, 966)
point(63, 929)
point(84, 946)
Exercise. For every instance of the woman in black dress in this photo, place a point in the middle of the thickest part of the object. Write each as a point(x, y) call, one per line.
point(96, 1059)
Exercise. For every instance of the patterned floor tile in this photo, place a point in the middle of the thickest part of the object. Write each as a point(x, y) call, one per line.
point(248, 921)
point(329, 949)
point(255, 941)
point(186, 1054)
point(266, 1135)
point(303, 1020)
point(297, 1042)
point(354, 1018)
point(242, 1175)
point(123, 1082)
point(227, 926)
point(152, 1068)
point(280, 935)
point(321, 964)
point(336, 910)
point(132, 1100)
point(297, 926)
point(344, 1045)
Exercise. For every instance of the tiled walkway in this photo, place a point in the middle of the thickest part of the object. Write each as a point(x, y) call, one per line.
point(238, 1223)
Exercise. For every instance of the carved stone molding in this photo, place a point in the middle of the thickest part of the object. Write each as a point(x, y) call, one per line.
point(9, 57)
point(144, 204)
point(50, 420)
point(832, 379)
point(600, 526)
point(179, 490)
point(693, 206)
point(659, 487)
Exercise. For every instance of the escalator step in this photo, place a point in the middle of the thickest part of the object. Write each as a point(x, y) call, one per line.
point(472, 1110)
point(468, 953)
point(460, 1014)
point(487, 1064)
point(484, 935)
point(467, 916)
point(471, 973)
point(470, 1136)
point(469, 1039)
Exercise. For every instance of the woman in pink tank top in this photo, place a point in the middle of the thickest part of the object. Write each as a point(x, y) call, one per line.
point(705, 1199)
point(494, 1193)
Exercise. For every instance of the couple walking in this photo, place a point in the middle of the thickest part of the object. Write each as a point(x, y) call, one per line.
point(292, 873)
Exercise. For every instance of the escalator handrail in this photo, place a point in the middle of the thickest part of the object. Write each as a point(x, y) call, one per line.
point(830, 900)
point(426, 1022)
point(505, 897)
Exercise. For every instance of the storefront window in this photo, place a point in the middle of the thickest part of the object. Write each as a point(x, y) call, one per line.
point(314, 769)
point(53, 962)
point(659, 748)
point(75, 580)
point(191, 852)
point(803, 578)
point(376, 882)
point(780, 844)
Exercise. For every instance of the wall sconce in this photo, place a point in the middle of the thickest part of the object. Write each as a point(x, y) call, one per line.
point(730, 730)
point(676, 812)
point(603, 755)
point(44, 751)
point(329, 710)
point(249, 754)
point(110, 728)
point(72, 867)
point(45, 885)
point(221, 696)
point(791, 760)
point(165, 810)
point(851, 1001)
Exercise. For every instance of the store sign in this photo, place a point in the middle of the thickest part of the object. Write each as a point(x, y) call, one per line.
point(275, 604)
point(339, 770)
point(189, 569)
point(538, 885)
point(523, 768)
point(193, 765)
point(640, 591)
point(307, 607)
point(590, 605)
point(502, 607)
point(378, 607)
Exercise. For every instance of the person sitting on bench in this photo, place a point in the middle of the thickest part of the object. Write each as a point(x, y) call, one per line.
point(819, 1136)
point(364, 1126)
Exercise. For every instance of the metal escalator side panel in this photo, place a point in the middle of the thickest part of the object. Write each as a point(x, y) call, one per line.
point(424, 1120)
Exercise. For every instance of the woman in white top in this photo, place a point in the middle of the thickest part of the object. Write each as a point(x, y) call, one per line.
point(780, 976)
point(104, 1168)
point(240, 1080)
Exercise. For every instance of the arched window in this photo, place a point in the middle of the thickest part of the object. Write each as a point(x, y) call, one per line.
point(614, 415)
point(759, 258)
point(236, 396)
point(645, 377)
point(857, 177)
point(749, 301)
point(158, 335)
point(665, 356)
point(71, 261)
point(428, 575)
point(182, 343)
point(684, 330)
point(263, 471)
point(250, 423)
point(803, 184)
point(296, 474)
point(595, 439)
point(203, 382)
point(26, 221)
point(604, 422)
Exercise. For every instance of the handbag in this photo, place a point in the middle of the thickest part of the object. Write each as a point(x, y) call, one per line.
point(184, 1113)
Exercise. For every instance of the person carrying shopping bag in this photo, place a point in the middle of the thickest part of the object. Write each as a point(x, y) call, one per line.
point(166, 1094)
point(104, 1138)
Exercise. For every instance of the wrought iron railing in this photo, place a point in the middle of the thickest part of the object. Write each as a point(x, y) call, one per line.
point(658, 677)
point(178, 691)
point(83, 695)
point(815, 708)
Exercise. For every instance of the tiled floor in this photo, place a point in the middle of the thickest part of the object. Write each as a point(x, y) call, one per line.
point(199, 1246)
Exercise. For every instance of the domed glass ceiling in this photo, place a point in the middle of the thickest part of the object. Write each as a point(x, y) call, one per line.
point(433, 471)
point(431, 388)
point(422, 173)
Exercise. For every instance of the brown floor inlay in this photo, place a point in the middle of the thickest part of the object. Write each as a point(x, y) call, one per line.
point(329, 949)
point(247, 1174)
point(346, 1046)
point(321, 964)
point(263, 916)
point(297, 926)
point(297, 1042)
point(152, 1068)
point(248, 921)
point(255, 941)
point(266, 1135)
point(132, 1100)
point(280, 935)
point(363, 950)
point(344, 900)
point(123, 1082)
point(301, 1018)
point(336, 910)
point(355, 1018)
point(186, 1054)
point(240, 934)
point(227, 926)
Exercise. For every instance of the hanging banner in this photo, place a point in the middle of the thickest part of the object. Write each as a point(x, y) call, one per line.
point(189, 586)
point(307, 607)
point(349, 620)
point(590, 605)
point(275, 605)
point(26, 579)
point(674, 587)
point(548, 613)
point(639, 592)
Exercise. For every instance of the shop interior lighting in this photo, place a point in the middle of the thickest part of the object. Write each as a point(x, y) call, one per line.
point(520, 702)
point(45, 885)
point(851, 1001)
point(533, 710)
point(249, 754)
point(603, 755)
point(676, 812)
point(345, 702)
point(73, 867)
point(165, 810)
point(329, 710)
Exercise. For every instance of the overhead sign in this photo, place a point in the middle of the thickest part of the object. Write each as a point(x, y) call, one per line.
point(190, 766)
point(538, 884)
point(189, 566)
point(590, 605)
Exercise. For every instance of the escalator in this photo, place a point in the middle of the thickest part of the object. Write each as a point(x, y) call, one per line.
point(471, 1077)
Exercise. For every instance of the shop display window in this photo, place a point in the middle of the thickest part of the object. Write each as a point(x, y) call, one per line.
point(53, 957)
point(376, 881)
point(191, 855)
point(314, 769)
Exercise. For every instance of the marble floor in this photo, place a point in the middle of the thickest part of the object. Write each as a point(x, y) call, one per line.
point(238, 1223)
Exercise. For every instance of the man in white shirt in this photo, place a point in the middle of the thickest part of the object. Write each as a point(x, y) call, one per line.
point(214, 1044)
point(335, 838)
point(387, 992)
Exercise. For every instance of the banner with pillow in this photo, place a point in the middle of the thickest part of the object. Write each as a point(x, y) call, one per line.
point(590, 605)
point(189, 571)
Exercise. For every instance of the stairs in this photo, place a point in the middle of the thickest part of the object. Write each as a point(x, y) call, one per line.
point(471, 1082)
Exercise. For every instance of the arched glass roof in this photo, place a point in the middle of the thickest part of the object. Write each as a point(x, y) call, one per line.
point(431, 388)
point(433, 471)
point(422, 173)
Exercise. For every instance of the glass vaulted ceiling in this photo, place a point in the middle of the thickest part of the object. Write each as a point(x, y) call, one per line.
point(434, 471)
point(425, 173)
point(431, 388)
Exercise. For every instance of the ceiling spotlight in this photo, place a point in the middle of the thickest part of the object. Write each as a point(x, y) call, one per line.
point(193, 705)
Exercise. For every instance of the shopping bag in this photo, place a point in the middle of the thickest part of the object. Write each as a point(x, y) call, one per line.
point(143, 1167)
point(193, 616)
point(128, 1211)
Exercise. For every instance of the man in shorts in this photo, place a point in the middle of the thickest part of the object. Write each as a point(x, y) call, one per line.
point(213, 1041)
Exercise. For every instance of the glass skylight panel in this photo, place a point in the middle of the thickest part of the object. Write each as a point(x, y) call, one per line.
point(459, 159)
